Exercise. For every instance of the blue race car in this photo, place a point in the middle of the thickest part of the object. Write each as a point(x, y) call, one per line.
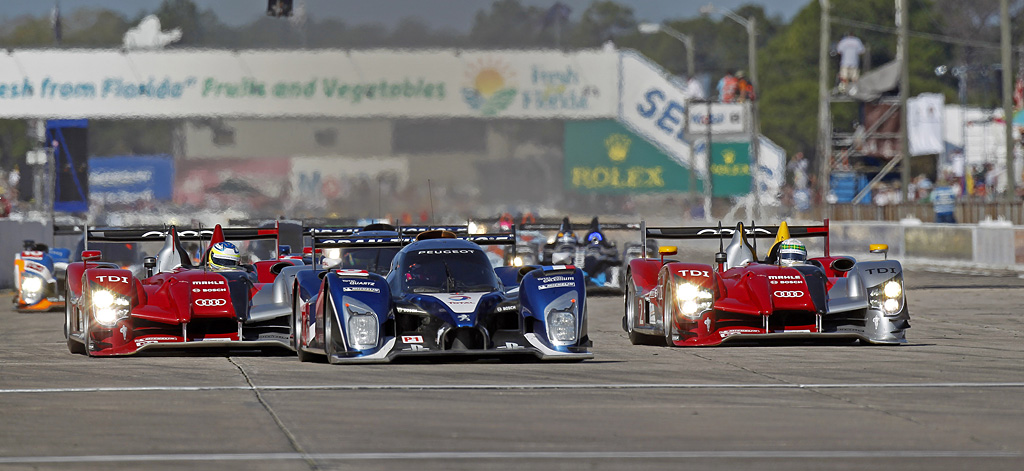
point(441, 297)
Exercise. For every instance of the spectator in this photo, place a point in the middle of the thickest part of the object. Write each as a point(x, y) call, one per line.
point(944, 202)
point(727, 87)
point(798, 169)
point(850, 49)
point(694, 90)
point(744, 89)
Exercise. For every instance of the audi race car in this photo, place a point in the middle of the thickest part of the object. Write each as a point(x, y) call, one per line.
point(441, 297)
point(39, 277)
point(782, 296)
point(175, 304)
point(599, 256)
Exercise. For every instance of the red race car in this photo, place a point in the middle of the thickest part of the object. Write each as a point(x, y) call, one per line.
point(784, 295)
point(175, 304)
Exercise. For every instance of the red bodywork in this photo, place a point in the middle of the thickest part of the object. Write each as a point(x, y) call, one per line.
point(184, 307)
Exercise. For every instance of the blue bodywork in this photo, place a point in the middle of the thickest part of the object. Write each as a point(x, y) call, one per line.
point(530, 311)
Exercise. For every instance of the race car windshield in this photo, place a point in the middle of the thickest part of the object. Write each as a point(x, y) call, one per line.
point(447, 271)
point(372, 260)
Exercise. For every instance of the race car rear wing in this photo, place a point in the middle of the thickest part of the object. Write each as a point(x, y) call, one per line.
point(156, 234)
point(719, 232)
point(348, 237)
point(610, 226)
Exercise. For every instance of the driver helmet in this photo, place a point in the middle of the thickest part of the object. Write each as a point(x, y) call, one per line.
point(567, 237)
point(792, 252)
point(224, 256)
point(595, 238)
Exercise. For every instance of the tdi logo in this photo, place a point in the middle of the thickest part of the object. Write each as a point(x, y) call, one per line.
point(705, 274)
point(880, 271)
point(211, 302)
point(788, 294)
point(112, 279)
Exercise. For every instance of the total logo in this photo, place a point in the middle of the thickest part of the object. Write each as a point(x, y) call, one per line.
point(211, 302)
point(459, 297)
point(789, 294)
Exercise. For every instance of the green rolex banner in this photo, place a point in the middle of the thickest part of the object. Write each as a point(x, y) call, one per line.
point(730, 168)
point(602, 156)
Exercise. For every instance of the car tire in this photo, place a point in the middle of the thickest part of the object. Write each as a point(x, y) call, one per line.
point(631, 316)
point(299, 329)
point(74, 346)
point(329, 312)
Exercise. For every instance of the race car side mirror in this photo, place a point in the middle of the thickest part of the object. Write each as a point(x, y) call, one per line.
point(720, 259)
point(150, 264)
point(879, 248)
point(91, 255)
point(667, 250)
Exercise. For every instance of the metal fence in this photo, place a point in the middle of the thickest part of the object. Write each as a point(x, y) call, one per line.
point(965, 212)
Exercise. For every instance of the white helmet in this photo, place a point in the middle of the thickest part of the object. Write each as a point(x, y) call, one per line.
point(792, 252)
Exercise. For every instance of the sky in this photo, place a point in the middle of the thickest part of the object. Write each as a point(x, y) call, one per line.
point(439, 14)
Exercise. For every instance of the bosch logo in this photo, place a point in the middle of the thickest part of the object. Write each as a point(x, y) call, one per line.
point(112, 279)
point(211, 302)
point(788, 294)
point(459, 298)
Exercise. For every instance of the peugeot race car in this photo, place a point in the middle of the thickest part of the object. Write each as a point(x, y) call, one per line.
point(748, 298)
point(39, 277)
point(599, 256)
point(174, 304)
point(441, 297)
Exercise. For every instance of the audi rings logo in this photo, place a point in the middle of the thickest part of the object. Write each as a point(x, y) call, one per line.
point(789, 294)
point(211, 302)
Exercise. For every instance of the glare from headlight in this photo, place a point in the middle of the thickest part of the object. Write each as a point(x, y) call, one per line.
point(517, 261)
point(890, 305)
point(687, 291)
point(693, 299)
point(108, 308)
point(892, 289)
point(31, 284)
point(102, 299)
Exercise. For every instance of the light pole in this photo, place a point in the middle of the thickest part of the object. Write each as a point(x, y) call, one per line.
point(687, 40)
point(751, 26)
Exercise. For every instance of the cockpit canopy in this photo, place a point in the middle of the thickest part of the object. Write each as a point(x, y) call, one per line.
point(445, 270)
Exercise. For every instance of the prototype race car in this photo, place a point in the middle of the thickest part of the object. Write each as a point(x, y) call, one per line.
point(441, 297)
point(39, 277)
point(783, 296)
point(175, 304)
point(599, 256)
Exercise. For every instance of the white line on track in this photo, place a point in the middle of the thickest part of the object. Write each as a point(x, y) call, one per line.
point(523, 455)
point(507, 387)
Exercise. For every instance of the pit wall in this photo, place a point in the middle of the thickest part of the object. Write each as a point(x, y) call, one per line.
point(992, 246)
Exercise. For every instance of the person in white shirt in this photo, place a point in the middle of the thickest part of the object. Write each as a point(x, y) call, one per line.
point(850, 49)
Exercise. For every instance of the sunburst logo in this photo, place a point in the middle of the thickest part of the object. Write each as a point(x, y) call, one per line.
point(729, 155)
point(618, 146)
point(489, 86)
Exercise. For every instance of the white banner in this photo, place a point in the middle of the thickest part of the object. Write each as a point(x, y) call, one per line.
point(924, 123)
point(655, 108)
point(325, 83)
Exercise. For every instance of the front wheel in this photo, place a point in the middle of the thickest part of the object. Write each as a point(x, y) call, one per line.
point(73, 346)
point(632, 316)
point(299, 329)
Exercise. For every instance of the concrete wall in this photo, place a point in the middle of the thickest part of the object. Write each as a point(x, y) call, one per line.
point(976, 245)
point(12, 237)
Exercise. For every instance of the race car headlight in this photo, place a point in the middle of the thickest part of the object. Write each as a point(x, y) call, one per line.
point(517, 261)
point(562, 324)
point(108, 307)
point(362, 328)
point(888, 296)
point(693, 300)
point(32, 284)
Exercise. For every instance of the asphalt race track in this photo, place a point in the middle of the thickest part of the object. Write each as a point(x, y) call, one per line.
point(953, 398)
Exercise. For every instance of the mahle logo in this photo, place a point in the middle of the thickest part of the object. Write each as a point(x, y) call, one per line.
point(489, 88)
point(618, 146)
